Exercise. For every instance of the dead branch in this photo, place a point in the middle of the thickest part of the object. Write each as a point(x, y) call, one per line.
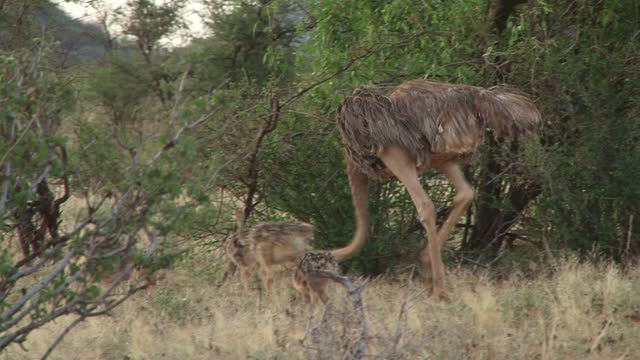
point(402, 325)
point(629, 232)
point(173, 141)
point(276, 108)
point(175, 113)
point(270, 124)
point(596, 341)
point(5, 188)
point(61, 336)
point(358, 307)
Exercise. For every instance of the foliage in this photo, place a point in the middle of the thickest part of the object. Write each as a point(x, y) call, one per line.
point(586, 74)
point(149, 23)
point(120, 87)
point(546, 49)
point(522, 195)
point(16, 26)
point(250, 41)
point(120, 166)
point(127, 201)
point(547, 316)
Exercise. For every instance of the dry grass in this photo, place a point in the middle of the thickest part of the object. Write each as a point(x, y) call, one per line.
point(583, 311)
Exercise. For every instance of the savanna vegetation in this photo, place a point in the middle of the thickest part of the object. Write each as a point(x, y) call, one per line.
point(122, 159)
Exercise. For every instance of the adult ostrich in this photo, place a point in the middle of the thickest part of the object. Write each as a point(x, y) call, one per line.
point(421, 125)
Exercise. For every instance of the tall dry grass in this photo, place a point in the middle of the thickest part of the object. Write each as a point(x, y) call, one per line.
point(581, 311)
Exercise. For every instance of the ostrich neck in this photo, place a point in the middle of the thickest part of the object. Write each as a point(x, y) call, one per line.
point(359, 184)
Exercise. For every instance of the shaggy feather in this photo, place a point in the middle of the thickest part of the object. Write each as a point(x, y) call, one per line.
point(508, 113)
point(369, 120)
point(305, 278)
point(428, 119)
point(276, 240)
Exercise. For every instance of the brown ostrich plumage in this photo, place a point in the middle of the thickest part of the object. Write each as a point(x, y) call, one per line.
point(420, 125)
point(428, 118)
point(265, 245)
point(307, 281)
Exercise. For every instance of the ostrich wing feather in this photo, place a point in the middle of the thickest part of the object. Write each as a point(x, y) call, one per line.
point(428, 118)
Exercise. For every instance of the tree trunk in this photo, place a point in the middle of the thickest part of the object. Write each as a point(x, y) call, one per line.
point(499, 203)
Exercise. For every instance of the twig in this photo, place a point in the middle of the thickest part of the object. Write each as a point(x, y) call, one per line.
point(59, 339)
point(597, 340)
point(356, 299)
point(36, 288)
point(65, 178)
point(7, 283)
point(7, 180)
point(121, 201)
point(629, 231)
point(547, 249)
point(42, 176)
point(20, 334)
point(53, 293)
point(368, 53)
point(15, 143)
point(214, 176)
point(154, 242)
point(624, 355)
point(5, 188)
point(402, 322)
point(173, 141)
point(176, 107)
point(312, 86)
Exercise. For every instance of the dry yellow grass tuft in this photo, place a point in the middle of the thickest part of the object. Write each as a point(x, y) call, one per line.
point(583, 311)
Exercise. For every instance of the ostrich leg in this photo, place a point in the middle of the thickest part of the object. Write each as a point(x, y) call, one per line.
point(403, 166)
point(244, 276)
point(266, 275)
point(461, 201)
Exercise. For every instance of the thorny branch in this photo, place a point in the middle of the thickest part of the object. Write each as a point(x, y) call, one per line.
point(70, 285)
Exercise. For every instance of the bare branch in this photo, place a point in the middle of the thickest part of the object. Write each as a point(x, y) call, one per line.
point(154, 242)
point(15, 143)
point(353, 61)
point(36, 288)
point(175, 113)
point(7, 283)
point(59, 339)
point(42, 175)
point(55, 242)
point(629, 232)
point(65, 178)
point(358, 307)
point(597, 339)
point(20, 335)
point(171, 143)
point(312, 86)
point(5, 188)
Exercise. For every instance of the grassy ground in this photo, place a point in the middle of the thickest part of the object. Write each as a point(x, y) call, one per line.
point(582, 311)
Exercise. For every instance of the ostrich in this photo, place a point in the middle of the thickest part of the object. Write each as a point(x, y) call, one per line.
point(263, 246)
point(305, 278)
point(423, 125)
